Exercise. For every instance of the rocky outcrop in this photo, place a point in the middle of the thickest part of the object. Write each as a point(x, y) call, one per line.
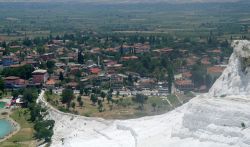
point(235, 80)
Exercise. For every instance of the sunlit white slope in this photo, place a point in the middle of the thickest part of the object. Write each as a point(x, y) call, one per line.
point(205, 121)
point(235, 80)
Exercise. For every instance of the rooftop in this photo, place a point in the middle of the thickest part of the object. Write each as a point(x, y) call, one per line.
point(183, 82)
point(39, 71)
point(11, 78)
point(215, 69)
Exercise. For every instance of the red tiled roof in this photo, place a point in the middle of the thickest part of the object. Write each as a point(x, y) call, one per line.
point(95, 70)
point(11, 78)
point(187, 74)
point(111, 50)
point(17, 65)
point(129, 58)
point(21, 82)
point(183, 82)
point(165, 50)
point(218, 51)
point(51, 82)
point(215, 69)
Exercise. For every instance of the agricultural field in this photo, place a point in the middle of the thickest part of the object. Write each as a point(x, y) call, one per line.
point(20, 20)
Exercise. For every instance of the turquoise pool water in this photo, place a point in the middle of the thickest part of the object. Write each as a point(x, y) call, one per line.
point(5, 127)
point(2, 104)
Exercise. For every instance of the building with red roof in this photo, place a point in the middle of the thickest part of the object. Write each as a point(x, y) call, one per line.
point(215, 71)
point(127, 58)
point(184, 85)
point(95, 70)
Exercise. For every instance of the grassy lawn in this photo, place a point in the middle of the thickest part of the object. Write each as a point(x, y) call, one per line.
point(24, 138)
point(173, 100)
point(124, 109)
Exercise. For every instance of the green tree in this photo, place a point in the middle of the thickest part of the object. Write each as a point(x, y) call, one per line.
point(80, 58)
point(198, 75)
point(117, 93)
point(154, 105)
point(67, 96)
point(27, 42)
point(35, 112)
point(44, 129)
point(40, 50)
point(170, 78)
point(73, 105)
point(81, 91)
point(61, 77)
point(15, 94)
point(93, 98)
point(24, 72)
point(81, 103)
point(29, 95)
point(109, 97)
point(141, 99)
point(103, 95)
point(86, 91)
point(1, 84)
point(50, 64)
point(100, 106)
point(130, 80)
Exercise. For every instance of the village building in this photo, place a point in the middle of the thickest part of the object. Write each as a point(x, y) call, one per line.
point(14, 82)
point(145, 83)
point(126, 49)
point(117, 81)
point(140, 48)
point(47, 56)
point(7, 61)
point(128, 58)
point(215, 71)
point(94, 70)
point(162, 51)
point(187, 75)
point(50, 84)
point(39, 76)
point(112, 50)
point(184, 85)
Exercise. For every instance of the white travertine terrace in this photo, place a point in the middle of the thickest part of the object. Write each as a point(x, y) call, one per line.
point(234, 80)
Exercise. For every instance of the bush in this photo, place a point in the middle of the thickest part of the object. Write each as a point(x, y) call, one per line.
point(124, 102)
point(243, 125)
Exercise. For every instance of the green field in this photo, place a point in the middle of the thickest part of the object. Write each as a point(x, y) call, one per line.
point(41, 19)
point(24, 138)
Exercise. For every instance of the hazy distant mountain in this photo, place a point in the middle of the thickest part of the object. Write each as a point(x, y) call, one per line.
point(124, 1)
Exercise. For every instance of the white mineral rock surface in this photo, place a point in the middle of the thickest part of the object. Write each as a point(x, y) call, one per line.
point(209, 120)
point(234, 81)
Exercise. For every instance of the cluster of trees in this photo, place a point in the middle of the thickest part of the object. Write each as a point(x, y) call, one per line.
point(67, 97)
point(2, 87)
point(43, 127)
point(147, 65)
point(50, 66)
point(98, 97)
point(24, 72)
point(200, 76)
